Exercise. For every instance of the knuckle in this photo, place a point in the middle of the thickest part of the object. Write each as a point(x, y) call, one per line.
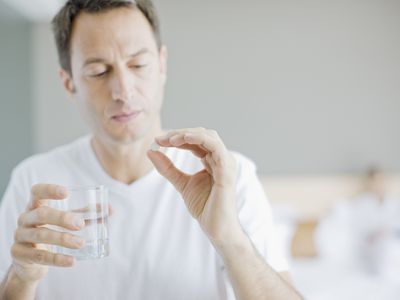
point(66, 218)
point(42, 213)
point(202, 135)
point(40, 257)
point(37, 235)
point(20, 220)
point(35, 188)
point(14, 251)
point(214, 133)
point(57, 259)
point(17, 235)
point(64, 239)
point(51, 190)
point(221, 161)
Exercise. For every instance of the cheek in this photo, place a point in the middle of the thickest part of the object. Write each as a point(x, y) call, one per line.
point(92, 103)
point(151, 92)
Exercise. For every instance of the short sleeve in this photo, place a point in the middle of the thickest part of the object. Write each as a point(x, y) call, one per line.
point(11, 206)
point(256, 217)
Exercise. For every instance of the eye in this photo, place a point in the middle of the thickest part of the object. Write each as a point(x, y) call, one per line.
point(99, 74)
point(96, 71)
point(140, 66)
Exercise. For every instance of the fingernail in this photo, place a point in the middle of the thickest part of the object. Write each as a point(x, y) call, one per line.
point(155, 147)
point(61, 191)
point(78, 241)
point(78, 221)
point(69, 261)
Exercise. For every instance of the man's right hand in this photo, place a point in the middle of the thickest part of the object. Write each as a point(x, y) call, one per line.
point(30, 252)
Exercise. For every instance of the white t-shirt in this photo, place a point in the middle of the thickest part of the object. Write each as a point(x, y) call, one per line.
point(157, 250)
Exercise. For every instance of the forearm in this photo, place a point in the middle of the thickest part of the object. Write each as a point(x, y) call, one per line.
point(252, 278)
point(13, 288)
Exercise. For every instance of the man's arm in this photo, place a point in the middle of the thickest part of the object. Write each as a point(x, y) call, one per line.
point(252, 278)
point(14, 288)
point(210, 196)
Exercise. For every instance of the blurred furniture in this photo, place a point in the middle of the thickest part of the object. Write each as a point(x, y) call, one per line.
point(309, 198)
point(303, 244)
point(304, 201)
point(312, 196)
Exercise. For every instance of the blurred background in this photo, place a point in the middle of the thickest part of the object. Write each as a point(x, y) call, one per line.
point(309, 90)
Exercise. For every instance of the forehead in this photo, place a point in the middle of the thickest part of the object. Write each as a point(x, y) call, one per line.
point(120, 28)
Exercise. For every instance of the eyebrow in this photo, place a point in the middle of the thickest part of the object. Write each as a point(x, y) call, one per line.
point(101, 60)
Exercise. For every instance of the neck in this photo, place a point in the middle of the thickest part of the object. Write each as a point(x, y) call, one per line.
point(126, 162)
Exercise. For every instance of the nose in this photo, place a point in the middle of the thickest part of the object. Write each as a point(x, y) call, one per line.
point(122, 86)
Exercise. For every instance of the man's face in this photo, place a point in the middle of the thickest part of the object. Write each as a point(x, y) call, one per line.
point(118, 73)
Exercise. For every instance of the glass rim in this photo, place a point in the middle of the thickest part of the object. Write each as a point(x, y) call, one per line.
point(86, 188)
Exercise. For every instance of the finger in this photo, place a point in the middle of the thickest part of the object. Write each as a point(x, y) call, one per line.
point(197, 150)
point(23, 252)
point(177, 139)
point(40, 192)
point(210, 143)
point(179, 142)
point(206, 165)
point(47, 236)
point(171, 133)
point(210, 162)
point(164, 140)
point(167, 169)
point(44, 215)
point(208, 139)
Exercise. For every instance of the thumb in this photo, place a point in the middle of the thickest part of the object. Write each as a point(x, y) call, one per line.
point(167, 169)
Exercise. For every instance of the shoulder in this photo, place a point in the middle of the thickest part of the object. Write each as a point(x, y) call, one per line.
point(244, 163)
point(247, 179)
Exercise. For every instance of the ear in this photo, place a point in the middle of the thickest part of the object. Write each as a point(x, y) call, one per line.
point(163, 61)
point(67, 82)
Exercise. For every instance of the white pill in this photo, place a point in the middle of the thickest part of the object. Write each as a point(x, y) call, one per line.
point(155, 147)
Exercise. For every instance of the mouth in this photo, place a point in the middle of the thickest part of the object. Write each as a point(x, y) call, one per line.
point(126, 117)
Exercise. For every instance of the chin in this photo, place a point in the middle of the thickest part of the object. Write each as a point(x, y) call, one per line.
point(123, 134)
point(129, 135)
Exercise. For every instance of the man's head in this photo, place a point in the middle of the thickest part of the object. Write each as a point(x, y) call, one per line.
point(113, 64)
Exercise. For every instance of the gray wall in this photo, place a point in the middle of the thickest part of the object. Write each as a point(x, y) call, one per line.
point(298, 86)
point(15, 86)
point(56, 120)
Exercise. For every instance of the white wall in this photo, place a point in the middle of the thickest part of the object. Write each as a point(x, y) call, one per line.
point(299, 86)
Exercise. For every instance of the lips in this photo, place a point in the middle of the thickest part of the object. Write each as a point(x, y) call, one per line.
point(126, 117)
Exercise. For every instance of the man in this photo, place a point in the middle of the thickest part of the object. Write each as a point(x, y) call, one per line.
point(177, 236)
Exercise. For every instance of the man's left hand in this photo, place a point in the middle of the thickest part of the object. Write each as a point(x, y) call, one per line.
point(210, 194)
